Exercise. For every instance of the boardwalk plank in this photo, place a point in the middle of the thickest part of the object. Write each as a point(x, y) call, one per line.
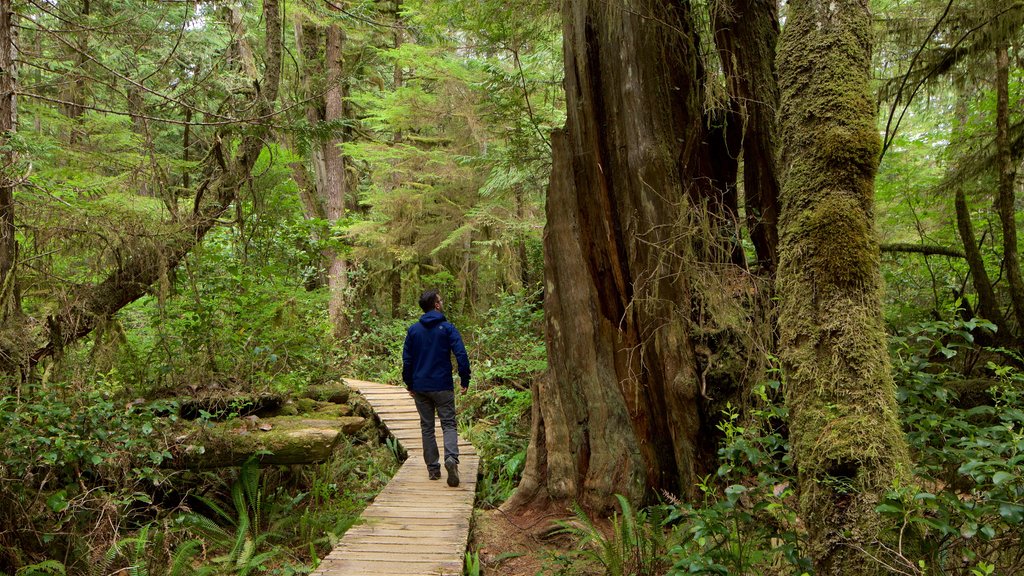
point(415, 526)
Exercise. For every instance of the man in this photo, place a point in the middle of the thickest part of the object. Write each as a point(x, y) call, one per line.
point(427, 372)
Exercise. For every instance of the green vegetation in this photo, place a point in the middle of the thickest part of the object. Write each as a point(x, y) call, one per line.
point(171, 241)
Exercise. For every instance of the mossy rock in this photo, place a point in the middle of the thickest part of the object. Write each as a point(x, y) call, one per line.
point(333, 410)
point(306, 405)
point(333, 392)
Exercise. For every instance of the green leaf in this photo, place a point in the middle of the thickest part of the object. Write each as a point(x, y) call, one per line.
point(58, 501)
point(888, 509)
point(1000, 477)
point(1012, 513)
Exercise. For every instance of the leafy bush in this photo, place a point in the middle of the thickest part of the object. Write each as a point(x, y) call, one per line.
point(508, 346)
point(747, 520)
point(967, 499)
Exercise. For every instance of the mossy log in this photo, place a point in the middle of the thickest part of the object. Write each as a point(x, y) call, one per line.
point(279, 440)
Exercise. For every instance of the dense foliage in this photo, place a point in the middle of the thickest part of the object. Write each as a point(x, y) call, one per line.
point(131, 116)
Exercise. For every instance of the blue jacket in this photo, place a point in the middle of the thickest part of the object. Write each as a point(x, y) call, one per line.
point(427, 354)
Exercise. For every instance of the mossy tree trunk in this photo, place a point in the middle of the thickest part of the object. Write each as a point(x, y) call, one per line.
point(1007, 176)
point(641, 209)
point(988, 307)
point(847, 443)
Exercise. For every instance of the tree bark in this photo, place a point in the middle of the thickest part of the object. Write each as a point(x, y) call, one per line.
point(1007, 176)
point(846, 438)
point(987, 304)
point(148, 264)
point(746, 32)
point(634, 173)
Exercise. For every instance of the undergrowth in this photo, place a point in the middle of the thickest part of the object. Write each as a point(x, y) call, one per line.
point(960, 405)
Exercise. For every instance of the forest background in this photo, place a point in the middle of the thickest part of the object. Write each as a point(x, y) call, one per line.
point(231, 200)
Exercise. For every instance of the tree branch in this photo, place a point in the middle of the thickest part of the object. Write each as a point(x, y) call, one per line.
point(926, 249)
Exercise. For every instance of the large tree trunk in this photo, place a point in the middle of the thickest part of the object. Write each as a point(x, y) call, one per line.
point(847, 442)
point(633, 174)
point(1007, 175)
point(12, 339)
point(137, 273)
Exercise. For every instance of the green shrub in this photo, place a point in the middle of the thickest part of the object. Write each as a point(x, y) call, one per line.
point(967, 498)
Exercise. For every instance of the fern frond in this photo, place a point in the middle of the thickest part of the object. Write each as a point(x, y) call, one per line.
point(181, 562)
point(44, 568)
point(215, 507)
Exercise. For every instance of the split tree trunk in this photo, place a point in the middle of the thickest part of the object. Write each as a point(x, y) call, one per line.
point(326, 196)
point(847, 442)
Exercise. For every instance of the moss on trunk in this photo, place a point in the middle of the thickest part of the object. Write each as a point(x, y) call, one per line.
point(845, 433)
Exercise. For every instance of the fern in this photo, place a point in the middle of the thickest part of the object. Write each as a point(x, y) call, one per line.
point(44, 568)
point(636, 546)
point(241, 544)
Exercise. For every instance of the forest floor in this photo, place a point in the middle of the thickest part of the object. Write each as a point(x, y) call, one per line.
point(521, 545)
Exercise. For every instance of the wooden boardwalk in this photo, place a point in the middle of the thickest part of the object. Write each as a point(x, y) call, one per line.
point(415, 526)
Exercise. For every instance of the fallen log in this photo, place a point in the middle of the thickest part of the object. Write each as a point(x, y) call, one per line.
point(227, 406)
point(278, 440)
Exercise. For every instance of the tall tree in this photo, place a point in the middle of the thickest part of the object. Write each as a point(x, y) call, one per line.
point(847, 442)
point(641, 208)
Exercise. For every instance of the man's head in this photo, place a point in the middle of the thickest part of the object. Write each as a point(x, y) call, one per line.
point(430, 300)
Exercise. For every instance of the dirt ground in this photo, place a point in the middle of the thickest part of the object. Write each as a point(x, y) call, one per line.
point(526, 544)
point(521, 545)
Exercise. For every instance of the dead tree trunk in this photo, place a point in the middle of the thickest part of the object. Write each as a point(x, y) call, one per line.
point(844, 427)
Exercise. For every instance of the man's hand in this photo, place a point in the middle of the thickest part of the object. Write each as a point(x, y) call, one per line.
point(409, 390)
point(465, 389)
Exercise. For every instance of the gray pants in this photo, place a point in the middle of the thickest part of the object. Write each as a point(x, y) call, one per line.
point(443, 402)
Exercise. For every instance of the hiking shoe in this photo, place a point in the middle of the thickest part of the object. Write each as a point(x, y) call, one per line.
point(434, 474)
point(453, 472)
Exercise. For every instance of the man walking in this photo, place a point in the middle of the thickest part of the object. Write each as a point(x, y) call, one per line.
point(427, 373)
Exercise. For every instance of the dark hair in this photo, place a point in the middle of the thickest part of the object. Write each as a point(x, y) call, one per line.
point(428, 299)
